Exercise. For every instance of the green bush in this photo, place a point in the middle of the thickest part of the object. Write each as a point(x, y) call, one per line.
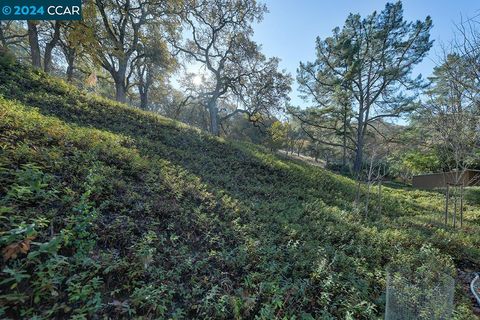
point(472, 196)
point(7, 58)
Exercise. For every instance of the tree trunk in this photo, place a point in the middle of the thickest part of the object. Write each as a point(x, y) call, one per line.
point(367, 199)
point(213, 110)
point(120, 91)
point(119, 77)
point(144, 99)
point(34, 46)
point(47, 58)
point(370, 181)
point(344, 138)
point(144, 82)
point(71, 66)
point(357, 165)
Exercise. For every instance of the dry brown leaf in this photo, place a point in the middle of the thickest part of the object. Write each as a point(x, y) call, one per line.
point(12, 250)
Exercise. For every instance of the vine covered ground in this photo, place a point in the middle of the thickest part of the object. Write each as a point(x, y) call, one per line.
point(106, 210)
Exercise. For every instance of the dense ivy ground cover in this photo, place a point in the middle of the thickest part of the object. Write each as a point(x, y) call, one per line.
point(110, 211)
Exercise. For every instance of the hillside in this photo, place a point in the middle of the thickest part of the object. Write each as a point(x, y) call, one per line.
point(110, 211)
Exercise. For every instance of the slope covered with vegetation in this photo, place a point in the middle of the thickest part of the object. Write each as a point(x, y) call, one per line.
point(108, 210)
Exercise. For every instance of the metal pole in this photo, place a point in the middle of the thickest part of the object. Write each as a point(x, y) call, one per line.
point(455, 206)
point(461, 206)
point(446, 206)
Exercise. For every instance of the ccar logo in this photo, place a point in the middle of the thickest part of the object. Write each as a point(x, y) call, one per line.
point(63, 10)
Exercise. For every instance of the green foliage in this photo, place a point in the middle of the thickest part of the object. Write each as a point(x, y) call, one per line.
point(362, 75)
point(107, 211)
point(472, 196)
point(277, 135)
point(405, 164)
point(428, 261)
point(6, 57)
point(420, 162)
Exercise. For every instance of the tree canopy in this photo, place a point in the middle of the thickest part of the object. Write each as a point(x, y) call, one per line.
point(370, 60)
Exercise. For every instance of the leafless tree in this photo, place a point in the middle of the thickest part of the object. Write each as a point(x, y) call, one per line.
point(451, 114)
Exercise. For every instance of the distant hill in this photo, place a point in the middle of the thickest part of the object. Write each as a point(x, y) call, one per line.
point(110, 211)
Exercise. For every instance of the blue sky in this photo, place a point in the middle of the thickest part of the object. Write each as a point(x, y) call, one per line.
point(289, 30)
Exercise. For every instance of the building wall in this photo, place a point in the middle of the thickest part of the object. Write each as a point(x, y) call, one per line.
point(440, 180)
